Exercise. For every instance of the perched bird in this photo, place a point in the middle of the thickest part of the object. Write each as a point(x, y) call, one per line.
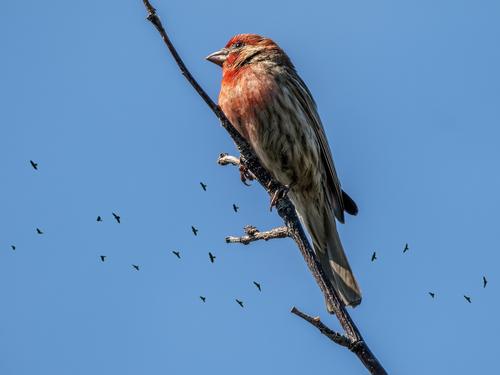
point(13, 247)
point(194, 230)
point(103, 257)
point(432, 294)
point(39, 231)
point(374, 256)
point(203, 186)
point(99, 218)
point(34, 165)
point(239, 302)
point(467, 298)
point(211, 256)
point(257, 285)
point(406, 248)
point(203, 298)
point(272, 108)
point(117, 218)
point(235, 208)
point(136, 267)
point(177, 254)
point(484, 281)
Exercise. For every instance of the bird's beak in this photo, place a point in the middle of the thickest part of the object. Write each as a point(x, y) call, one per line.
point(218, 57)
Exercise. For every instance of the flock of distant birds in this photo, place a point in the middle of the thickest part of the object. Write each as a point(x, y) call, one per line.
point(212, 257)
point(117, 218)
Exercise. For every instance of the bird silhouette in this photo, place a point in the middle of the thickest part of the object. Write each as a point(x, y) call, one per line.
point(195, 231)
point(103, 257)
point(13, 247)
point(484, 281)
point(257, 285)
point(203, 186)
point(211, 256)
point(117, 218)
point(99, 218)
point(239, 302)
point(432, 294)
point(406, 248)
point(136, 267)
point(467, 298)
point(39, 231)
point(203, 298)
point(374, 256)
point(177, 254)
point(34, 165)
point(235, 208)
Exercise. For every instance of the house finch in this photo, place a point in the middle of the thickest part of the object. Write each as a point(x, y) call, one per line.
point(269, 104)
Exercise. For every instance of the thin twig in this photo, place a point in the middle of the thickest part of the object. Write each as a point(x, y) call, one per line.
point(253, 234)
point(284, 207)
point(332, 335)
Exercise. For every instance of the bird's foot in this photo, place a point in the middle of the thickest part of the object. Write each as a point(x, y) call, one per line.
point(281, 192)
point(245, 174)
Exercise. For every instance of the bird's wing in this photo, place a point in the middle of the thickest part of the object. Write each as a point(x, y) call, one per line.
point(302, 93)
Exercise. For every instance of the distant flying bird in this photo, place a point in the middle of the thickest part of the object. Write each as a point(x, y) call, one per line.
point(235, 208)
point(432, 294)
point(117, 218)
point(103, 257)
point(374, 256)
point(406, 248)
point(257, 285)
point(467, 298)
point(34, 165)
point(195, 231)
point(39, 231)
point(484, 281)
point(136, 267)
point(13, 247)
point(211, 256)
point(99, 218)
point(239, 302)
point(203, 186)
point(203, 298)
point(177, 254)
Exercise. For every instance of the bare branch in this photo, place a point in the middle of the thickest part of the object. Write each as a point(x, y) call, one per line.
point(284, 207)
point(225, 159)
point(332, 335)
point(253, 234)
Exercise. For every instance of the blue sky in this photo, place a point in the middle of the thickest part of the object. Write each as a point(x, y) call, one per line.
point(409, 95)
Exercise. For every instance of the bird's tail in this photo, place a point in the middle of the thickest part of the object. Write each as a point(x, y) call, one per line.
point(326, 242)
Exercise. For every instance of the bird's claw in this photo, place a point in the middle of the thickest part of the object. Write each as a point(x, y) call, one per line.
point(245, 174)
point(281, 192)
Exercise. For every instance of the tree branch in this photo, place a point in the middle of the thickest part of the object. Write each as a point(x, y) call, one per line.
point(284, 207)
point(253, 234)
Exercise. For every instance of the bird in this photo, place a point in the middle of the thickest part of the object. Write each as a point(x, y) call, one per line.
point(374, 256)
point(194, 230)
point(103, 257)
point(39, 231)
point(271, 107)
point(484, 281)
point(239, 302)
point(34, 165)
point(406, 248)
point(467, 298)
point(257, 285)
point(136, 267)
point(203, 298)
point(177, 254)
point(13, 247)
point(203, 186)
point(99, 218)
point(211, 256)
point(432, 294)
point(235, 208)
point(117, 217)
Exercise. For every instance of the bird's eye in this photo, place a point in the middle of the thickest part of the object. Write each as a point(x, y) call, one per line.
point(238, 45)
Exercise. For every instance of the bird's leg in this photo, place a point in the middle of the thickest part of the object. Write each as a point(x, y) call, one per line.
point(279, 193)
point(245, 173)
